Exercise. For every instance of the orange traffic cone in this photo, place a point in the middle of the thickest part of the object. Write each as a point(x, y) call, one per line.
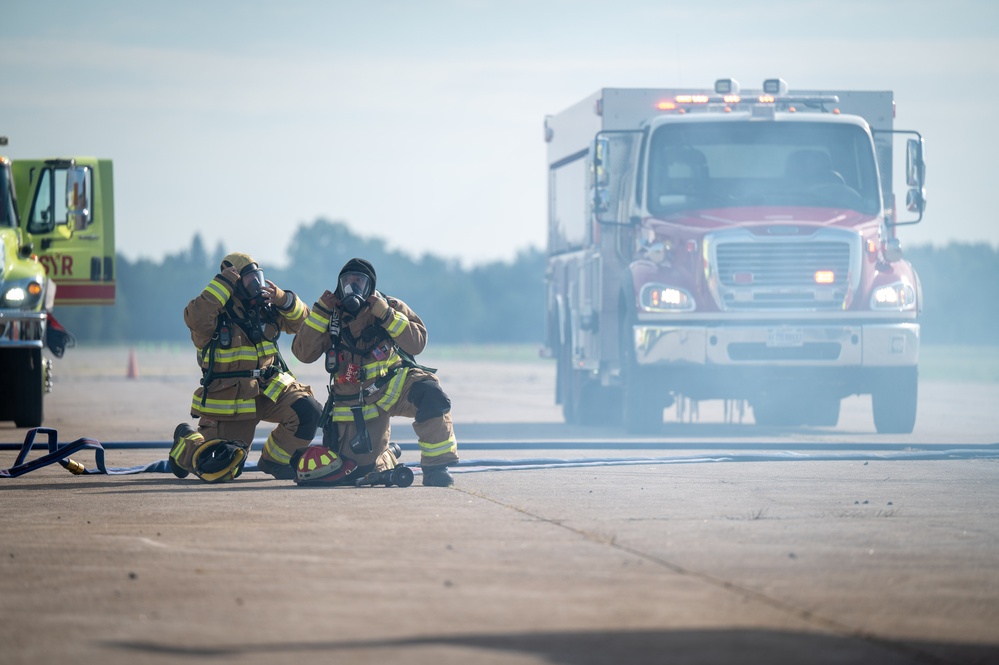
point(133, 365)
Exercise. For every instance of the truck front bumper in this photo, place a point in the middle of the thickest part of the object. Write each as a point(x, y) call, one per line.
point(22, 330)
point(809, 345)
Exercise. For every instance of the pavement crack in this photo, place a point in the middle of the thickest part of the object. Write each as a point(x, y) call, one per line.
point(807, 616)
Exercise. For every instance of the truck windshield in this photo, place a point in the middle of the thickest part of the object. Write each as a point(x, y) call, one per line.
point(703, 165)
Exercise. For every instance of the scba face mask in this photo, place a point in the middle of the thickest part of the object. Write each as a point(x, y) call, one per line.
point(355, 289)
point(251, 281)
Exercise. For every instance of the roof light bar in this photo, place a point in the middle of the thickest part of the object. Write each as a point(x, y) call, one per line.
point(727, 87)
point(775, 87)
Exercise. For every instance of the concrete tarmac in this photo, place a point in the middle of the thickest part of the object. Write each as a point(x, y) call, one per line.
point(715, 542)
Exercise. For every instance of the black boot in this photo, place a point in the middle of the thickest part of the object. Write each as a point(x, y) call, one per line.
point(279, 471)
point(437, 476)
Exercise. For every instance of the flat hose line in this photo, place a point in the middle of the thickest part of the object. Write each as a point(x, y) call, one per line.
point(60, 454)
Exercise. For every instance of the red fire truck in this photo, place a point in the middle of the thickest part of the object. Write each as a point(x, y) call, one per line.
point(733, 245)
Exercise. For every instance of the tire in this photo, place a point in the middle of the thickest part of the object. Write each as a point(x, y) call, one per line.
point(29, 377)
point(894, 401)
point(580, 395)
point(642, 403)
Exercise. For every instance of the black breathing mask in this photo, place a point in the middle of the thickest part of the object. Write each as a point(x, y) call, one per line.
point(251, 279)
point(355, 289)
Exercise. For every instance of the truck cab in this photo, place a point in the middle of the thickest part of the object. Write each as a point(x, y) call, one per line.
point(57, 235)
point(731, 246)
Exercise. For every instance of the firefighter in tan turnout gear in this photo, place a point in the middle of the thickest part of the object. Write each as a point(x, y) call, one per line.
point(369, 341)
point(235, 323)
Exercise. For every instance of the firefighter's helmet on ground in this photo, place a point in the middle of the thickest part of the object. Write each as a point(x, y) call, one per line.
point(318, 463)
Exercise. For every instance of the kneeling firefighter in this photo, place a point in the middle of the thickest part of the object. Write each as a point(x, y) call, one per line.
point(369, 342)
point(235, 323)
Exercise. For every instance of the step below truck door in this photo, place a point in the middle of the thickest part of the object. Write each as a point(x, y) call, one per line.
point(67, 211)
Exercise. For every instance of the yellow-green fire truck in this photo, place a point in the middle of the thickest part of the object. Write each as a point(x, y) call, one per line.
point(57, 237)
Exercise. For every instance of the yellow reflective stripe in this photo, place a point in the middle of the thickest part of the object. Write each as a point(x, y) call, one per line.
point(277, 384)
point(437, 449)
point(236, 354)
point(342, 414)
point(224, 407)
point(178, 450)
point(244, 354)
point(398, 323)
point(317, 321)
point(380, 368)
point(219, 289)
point(296, 312)
point(393, 390)
point(275, 451)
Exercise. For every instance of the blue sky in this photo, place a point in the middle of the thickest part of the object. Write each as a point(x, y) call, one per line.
point(421, 122)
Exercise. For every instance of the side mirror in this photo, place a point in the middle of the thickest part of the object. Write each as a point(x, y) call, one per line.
point(601, 158)
point(915, 200)
point(78, 197)
point(915, 168)
point(601, 175)
point(915, 176)
point(601, 200)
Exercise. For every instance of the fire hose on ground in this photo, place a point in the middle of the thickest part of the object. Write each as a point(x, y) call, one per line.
point(402, 476)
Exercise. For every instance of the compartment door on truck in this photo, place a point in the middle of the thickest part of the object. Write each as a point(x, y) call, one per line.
point(67, 211)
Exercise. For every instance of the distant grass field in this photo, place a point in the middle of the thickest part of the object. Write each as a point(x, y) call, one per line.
point(518, 353)
point(979, 364)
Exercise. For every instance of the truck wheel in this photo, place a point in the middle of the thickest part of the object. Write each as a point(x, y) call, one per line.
point(894, 400)
point(28, 371)
point(642, 403)
point(581, 403)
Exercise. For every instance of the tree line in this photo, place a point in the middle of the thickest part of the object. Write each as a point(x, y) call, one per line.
point(498, 302)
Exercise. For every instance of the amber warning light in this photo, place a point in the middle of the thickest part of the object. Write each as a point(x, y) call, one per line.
point(825, 277)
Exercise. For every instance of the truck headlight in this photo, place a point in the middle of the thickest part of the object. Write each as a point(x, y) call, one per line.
point(663, 298)
point(21, 296)
point(899, 297)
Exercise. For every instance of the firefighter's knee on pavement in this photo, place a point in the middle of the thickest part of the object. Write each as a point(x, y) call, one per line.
point(308, 411)
point(429, 399)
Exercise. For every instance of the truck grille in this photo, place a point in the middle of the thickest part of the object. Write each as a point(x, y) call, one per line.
point(785, 275)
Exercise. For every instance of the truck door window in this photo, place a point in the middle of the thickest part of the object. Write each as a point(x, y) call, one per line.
point(52, 198)
point(7, 215)
point(49, 207)
point(705, 165)
point(567, 218)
